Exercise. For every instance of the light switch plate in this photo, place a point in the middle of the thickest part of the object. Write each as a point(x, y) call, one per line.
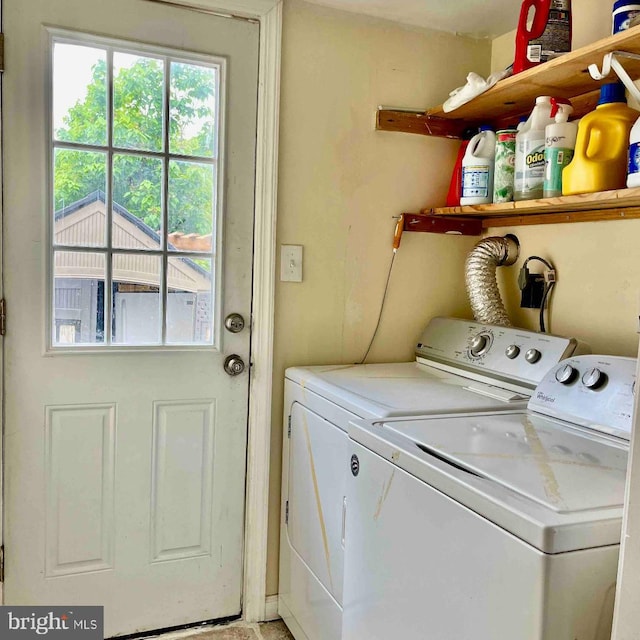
point(291, 263)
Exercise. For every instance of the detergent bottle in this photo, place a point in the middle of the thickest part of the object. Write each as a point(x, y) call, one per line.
point(529, 161)
point(633, 179)
point(600, 159)
point(543, 37)
point(560, 142)
point(455, 185)
point(556, 38)
point(477, 168)
point(526, 34)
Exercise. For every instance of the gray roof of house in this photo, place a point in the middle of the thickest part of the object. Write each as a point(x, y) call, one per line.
point(100, 196)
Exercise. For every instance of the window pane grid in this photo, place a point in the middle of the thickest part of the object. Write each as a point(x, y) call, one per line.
point(165, 197)
point(58, 144)
point(190, 253)
point(109, 203)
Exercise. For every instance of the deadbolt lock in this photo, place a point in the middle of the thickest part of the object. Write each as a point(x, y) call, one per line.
point(234, 322)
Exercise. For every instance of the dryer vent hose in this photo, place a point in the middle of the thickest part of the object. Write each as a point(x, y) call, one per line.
point(480, 277)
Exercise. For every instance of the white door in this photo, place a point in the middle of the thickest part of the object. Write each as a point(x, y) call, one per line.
point(129, 131)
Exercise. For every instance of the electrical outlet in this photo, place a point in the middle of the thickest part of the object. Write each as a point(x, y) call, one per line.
point(532, 291)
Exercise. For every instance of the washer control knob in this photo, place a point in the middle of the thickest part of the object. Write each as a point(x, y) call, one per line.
point(566, 374)
point(479, 344)
point(594, 378)
point(532, 356)
point(512, 351)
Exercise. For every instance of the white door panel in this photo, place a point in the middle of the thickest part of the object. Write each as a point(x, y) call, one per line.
point(125, 470)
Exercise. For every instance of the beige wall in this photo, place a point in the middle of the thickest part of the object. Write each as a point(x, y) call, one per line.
point(596, 296)
point(340, 184)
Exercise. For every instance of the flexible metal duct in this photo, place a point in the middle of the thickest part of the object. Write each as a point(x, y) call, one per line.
point(480, 277)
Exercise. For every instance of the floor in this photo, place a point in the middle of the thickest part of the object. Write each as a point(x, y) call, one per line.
point(235, 631)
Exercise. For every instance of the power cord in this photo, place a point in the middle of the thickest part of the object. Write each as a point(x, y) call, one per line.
point(550, 283)
point(384, 298)
point(525, 278)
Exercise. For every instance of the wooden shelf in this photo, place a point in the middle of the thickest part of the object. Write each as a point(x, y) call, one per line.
point(619, 204)
point(567, 76)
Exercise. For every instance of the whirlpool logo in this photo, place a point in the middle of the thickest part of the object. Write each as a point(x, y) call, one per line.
point(21, 623)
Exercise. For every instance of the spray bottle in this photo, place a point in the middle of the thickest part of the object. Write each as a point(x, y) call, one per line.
point(560, 142)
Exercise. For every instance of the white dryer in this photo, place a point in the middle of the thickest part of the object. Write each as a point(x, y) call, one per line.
point(460, 366)
point(492, 526)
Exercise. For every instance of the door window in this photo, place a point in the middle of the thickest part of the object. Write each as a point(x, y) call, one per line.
point(136, 199)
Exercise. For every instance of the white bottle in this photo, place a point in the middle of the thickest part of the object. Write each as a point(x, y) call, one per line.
point(529, 172)
point(560, 143)
point(477, 168)
point(633, 179)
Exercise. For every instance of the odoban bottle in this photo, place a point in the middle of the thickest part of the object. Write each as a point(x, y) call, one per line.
point(529, 176)
point(600, 159)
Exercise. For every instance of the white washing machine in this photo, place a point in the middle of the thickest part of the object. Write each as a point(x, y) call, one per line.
point(492, 526)
point(461, 366)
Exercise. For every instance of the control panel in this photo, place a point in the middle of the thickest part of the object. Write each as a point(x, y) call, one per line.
point(593, 391)
point(506, 353)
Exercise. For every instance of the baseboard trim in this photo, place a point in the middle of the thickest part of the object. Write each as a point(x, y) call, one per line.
point(271, 609)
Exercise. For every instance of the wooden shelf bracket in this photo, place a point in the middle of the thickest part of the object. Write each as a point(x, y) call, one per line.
point(454, 225)
point(417, 121)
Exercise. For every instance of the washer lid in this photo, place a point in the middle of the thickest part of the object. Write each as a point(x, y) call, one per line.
point(564, 468)
point(402, 389)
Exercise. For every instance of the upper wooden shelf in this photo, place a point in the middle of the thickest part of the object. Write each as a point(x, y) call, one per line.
point(567, 76)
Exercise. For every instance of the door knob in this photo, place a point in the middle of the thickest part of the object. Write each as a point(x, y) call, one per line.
point(234, 365)
point(234, 322)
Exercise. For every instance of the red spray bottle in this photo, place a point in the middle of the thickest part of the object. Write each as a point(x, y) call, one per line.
point(524, 35)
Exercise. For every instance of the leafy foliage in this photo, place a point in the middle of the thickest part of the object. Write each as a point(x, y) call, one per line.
point(138, 96)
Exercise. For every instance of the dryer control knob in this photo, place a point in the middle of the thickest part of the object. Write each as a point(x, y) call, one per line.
point(512, 351)
point(566, 374)
point(480, 344)
point(594, 378)
point(532, 356)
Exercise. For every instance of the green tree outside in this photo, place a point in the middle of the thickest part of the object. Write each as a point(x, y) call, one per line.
point(138, 125)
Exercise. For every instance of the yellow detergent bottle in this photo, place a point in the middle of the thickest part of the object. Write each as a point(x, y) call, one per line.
point(600, 159)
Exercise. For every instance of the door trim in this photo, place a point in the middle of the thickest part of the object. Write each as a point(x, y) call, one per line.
point(269, 15)
point(264, 285)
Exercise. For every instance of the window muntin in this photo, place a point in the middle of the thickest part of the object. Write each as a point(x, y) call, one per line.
point(135, 172)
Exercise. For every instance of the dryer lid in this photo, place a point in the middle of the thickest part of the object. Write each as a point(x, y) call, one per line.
point(377, 391)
